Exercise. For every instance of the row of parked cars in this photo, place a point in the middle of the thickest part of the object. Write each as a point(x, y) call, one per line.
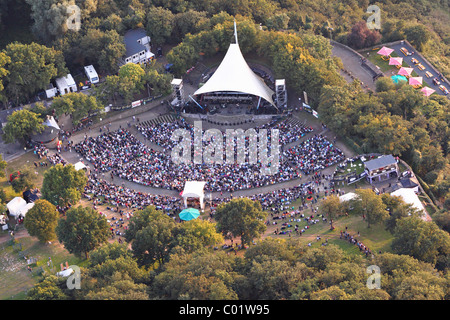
point(428, 74)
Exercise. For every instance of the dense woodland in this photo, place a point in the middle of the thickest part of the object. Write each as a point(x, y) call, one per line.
point(290, 36)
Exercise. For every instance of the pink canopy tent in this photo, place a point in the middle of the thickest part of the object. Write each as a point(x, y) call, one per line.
point(396, 61)
point(405, 71)
point(427, 91)
point(414, 81)
point(385, 51)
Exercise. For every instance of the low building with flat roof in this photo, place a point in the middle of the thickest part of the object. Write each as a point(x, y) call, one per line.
point(381, 168)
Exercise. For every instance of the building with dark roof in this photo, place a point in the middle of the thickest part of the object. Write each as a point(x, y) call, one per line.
point(381, 168)
point(137, 46)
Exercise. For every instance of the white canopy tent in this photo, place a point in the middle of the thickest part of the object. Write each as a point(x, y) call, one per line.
point(234, 75)
point(194, 189)
point(23, 211)
point(348, 196)
point(79, 165)
point(18, 207)
point(15, 205)
point(65, 273)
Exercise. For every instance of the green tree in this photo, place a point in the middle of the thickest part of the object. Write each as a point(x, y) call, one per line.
point(121, 287)
point(131, 80)
point(195, 234)
point(397, 209)
point(183, 57)
point(4, 59)
point(200, 275)
point(421, 286)
point(242, 218)
point(63, 185)
point(371, 206)
point(418, 35)
point(331, 207)
point(49, 18)
point(113, 49)
point(82, 230)
point(123, 264)
point(140, 220)
point(21, 125)
point(24, 181)
point(31, 68)
point(384, 133)
point(157, 83)
point(153, 242)
point(331, 293)
point(110, 251)
point(159, 25)
point(49, 288)
point(108, 89)
point(3, 165)
point(420, 239)
point(384, 84)
point(78, 105)
point(271, 279)
point(396, 270)
point(41, 220)
point(321, 258)
point(102, 48)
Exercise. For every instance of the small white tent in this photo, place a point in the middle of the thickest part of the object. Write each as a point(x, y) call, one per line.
point(15, 205)
point(194, 189)
point(348, 196)
point(23, 211)
point(65, 273)
point(79, 165)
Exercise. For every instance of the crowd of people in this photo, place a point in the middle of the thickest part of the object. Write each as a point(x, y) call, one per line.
point(126, 157)
point(43, 153)
point(352, 239)
point(123, 197)
point(161, 133)
point(111, 149)
point(313, 154)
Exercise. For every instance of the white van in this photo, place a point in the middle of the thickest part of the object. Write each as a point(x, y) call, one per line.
point(91, 74)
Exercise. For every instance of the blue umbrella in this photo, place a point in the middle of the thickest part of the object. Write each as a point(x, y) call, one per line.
point(189, 214)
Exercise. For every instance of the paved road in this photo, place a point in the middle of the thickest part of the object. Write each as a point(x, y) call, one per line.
point(352, 63)
point(407, 59)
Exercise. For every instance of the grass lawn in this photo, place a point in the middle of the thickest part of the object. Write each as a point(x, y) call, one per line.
point(376, 237)
point(356, 166)
point(15, 279)
point(19, 164)
point(384, 66)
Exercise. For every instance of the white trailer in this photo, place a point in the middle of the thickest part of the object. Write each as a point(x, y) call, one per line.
point(91, 74)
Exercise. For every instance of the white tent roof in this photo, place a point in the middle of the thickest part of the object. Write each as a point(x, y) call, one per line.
point(348, 196)
point(65, 81)
point(410, 197)
point(50, 122)
point(23, 211)
point(65, 273)
point(79, 165)
point(234, 75)
point(15, 205)
point(194, 189)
